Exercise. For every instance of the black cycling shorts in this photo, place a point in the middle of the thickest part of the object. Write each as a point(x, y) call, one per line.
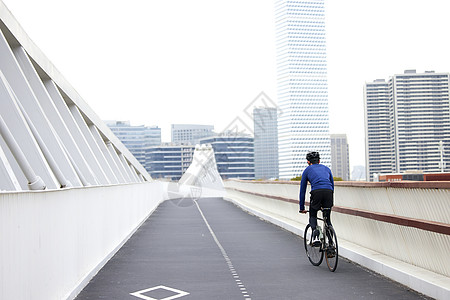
point(320, 199)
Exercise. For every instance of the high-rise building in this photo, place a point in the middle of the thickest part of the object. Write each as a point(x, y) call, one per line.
point(169, 160)
point(137, 139)
point(266, 142)
point(340, 165)
point(234, 155)
point(407, 122)
point(303, 124)
point(379, 138)
point(190, 133)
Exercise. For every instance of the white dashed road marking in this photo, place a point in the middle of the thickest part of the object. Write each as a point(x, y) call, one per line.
point(233, 272)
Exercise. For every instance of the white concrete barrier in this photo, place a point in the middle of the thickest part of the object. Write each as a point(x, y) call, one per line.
point(53, 242)
point(400, 230)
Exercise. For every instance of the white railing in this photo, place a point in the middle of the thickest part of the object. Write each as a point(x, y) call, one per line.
point(53, 242)
point(401, 230)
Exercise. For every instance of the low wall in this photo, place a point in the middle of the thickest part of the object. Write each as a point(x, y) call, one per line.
point(400, 229)
point(53, 242)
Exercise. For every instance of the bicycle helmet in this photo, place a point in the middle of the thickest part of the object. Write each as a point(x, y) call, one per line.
point(313, 157)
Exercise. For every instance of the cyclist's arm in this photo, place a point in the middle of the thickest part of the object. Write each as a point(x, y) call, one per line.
point(303, 185)
point(331, 180)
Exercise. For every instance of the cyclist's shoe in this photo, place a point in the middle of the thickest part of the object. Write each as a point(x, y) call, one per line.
point(315, 242)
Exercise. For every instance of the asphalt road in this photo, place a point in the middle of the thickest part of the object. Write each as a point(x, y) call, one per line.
point(211, 249)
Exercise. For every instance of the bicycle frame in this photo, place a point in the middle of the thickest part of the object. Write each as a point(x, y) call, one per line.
point(324, 228)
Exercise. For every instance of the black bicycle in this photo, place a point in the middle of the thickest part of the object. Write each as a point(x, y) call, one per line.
point(328, 244)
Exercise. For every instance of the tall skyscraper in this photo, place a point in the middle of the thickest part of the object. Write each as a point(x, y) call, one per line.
point(266, 142)
point(340, 165)
point(190, 133)
point(302, 84)
point(407, 122)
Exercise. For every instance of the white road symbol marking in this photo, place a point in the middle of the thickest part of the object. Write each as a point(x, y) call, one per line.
point(179, 294)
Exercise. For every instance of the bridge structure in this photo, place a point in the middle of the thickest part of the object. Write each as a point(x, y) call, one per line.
point(73, 200)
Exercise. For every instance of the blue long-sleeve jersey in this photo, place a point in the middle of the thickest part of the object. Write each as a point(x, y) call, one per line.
point(319, 176)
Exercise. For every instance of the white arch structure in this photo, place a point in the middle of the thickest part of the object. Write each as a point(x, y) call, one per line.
point(49, 137)
point(201, 179)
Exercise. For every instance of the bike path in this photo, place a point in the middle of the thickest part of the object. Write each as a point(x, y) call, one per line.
point(211, 249)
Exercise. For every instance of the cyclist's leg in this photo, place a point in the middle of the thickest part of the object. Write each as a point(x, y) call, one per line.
point(314, 206)
point(327, 214)
point(313, 218)
point(315, 241)
point(327, 202)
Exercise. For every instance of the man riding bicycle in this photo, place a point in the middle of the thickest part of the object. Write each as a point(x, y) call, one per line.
point(322, 189)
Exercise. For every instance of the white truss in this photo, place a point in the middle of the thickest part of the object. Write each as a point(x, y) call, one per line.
point(49, 136)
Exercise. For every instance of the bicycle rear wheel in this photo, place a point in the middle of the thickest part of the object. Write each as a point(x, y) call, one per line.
point(315, 254)
point(331, 249)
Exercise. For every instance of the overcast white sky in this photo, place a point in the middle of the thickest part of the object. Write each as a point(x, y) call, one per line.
point(162, 62)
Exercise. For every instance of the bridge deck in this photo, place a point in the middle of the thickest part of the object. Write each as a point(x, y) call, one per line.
point(217, 251)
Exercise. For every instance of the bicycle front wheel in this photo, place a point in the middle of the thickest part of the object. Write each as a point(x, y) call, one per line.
point(331, 249)
point(315, 254)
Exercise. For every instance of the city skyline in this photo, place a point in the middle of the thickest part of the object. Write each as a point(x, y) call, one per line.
point(364, 41)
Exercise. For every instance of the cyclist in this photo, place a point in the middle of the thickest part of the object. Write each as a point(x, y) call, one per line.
point(322, 189)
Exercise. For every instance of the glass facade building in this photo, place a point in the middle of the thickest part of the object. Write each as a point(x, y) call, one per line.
point(303, 124)
point(266, 142)
point(137, 139)
point(169, 161)
point(234, 155)
point(407, 123)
